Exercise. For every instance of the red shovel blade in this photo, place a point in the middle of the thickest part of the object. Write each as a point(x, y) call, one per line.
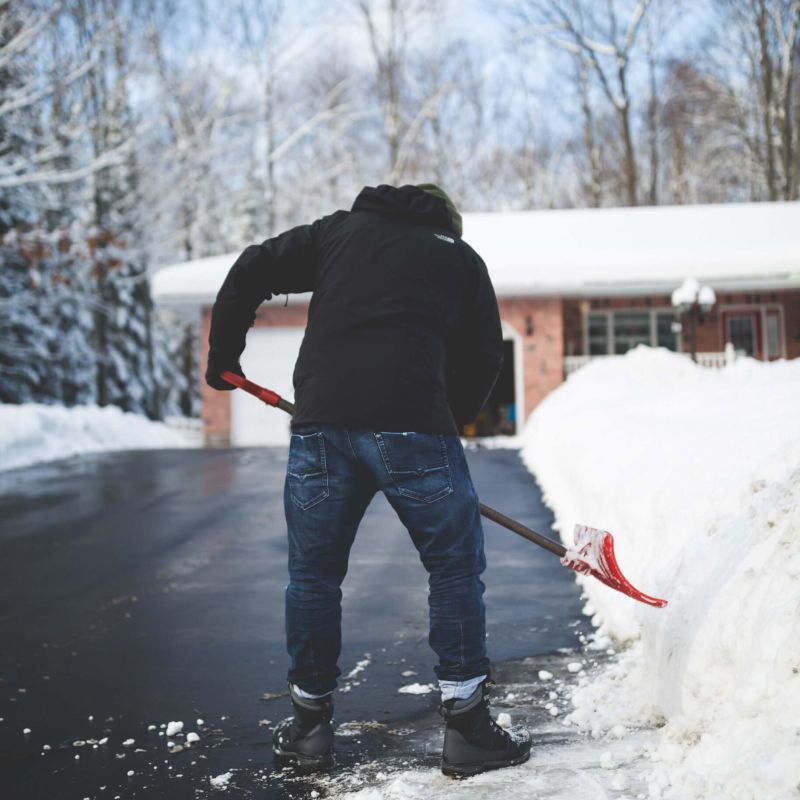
point(593, 554)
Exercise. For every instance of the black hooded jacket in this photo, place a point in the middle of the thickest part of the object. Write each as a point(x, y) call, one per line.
point(403, 329)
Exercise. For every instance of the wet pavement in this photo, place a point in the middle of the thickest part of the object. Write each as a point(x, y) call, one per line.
point(147, 587)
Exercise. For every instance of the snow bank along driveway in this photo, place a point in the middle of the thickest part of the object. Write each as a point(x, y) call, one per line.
point(697, 474)
point(32, 432)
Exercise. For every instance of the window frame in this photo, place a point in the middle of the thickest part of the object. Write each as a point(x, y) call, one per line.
point(608, 313)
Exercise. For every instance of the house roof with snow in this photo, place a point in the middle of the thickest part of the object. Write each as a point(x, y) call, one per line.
point(607, 251)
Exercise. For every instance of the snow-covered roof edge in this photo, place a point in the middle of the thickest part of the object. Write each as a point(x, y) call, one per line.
point(609, 251)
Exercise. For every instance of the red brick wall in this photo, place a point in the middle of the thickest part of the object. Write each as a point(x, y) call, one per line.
point(215, 407)
point(542, 350)
point(710, 336)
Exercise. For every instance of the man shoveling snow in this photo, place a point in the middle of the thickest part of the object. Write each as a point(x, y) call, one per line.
point(403, 345)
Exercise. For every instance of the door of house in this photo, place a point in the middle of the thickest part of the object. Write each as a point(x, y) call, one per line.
point(756, 331)
point(742, 329)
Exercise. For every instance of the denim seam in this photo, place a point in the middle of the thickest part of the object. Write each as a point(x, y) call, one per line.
point(324, 472)
point(447, 490)
point(382, 450)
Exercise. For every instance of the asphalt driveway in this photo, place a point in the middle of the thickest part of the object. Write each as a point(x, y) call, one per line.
point(147, 587)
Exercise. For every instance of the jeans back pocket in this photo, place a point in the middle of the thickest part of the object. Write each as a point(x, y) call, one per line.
point(417, 464)
point(307, 470)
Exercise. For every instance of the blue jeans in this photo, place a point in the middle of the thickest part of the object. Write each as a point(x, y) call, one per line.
point(332, 475)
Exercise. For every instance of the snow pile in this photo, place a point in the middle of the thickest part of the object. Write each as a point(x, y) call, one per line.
point(31, 432)
point(697, 474)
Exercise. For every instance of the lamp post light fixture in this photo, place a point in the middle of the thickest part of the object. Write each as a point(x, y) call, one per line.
point(696, 301)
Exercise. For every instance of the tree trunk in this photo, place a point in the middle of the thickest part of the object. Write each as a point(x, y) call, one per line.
point(767, 89)
point(595, 168)
point(631, 177)
point(652, 120)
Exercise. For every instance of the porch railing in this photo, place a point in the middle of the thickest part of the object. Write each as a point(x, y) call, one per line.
point(709, 360)
point(189, 427)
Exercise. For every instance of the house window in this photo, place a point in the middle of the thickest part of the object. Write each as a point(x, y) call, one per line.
point(665, 335)
point(616, 332)
point(630, 329)
point(774, 348)
point(598, 334)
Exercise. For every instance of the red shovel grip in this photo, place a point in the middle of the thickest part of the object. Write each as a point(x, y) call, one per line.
point(266, 395)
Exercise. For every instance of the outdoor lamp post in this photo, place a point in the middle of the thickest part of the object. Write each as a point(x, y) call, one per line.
point(695, 300)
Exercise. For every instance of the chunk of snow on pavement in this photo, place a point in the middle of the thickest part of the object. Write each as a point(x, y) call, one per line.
point(32, 432)
point(416, 688)
point(574, 666)
point(174, 728)
point(192, 737)
point(221, 781)
point(128, 742)
point(504, 719)
point(359, 667)
point(544, 675)
point(695, 471)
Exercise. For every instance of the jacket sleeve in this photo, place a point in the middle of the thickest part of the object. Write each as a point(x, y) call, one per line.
point(476, 357)
point(283, 264)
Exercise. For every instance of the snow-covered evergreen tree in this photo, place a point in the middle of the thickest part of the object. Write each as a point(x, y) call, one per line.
point(46, 352)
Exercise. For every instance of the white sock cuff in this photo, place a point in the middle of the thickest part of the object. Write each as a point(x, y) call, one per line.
point(460, 690)
point(306, 695)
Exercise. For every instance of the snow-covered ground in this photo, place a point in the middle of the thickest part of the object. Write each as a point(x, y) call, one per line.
point(30, 433)
point(697, 474)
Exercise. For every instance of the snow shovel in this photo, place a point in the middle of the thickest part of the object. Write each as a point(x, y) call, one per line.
point(592, 553)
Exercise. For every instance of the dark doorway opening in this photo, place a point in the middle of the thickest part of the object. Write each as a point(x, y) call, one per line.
point(499, 415)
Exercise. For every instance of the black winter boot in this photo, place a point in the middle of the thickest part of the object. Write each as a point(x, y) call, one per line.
point(305, 741)
point(474, 742)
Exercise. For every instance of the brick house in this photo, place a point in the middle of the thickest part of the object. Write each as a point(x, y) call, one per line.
point(571, 285)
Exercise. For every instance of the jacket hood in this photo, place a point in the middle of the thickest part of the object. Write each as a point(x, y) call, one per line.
point(408, 202)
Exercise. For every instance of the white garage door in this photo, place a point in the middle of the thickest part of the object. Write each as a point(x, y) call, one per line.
point(269, 360)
